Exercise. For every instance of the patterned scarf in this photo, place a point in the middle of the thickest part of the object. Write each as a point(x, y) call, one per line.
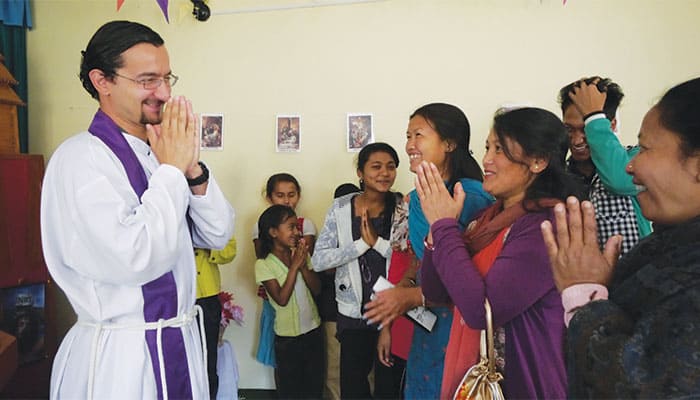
point(484, 229)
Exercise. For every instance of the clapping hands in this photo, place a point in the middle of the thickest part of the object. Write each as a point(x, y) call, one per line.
point(436, 201)
point(175, 141)
point(574, 253)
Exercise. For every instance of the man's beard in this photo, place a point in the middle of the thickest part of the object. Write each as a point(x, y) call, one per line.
point(153, 121)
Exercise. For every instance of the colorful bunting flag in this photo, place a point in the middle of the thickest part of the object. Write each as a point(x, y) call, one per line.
point(163, 4)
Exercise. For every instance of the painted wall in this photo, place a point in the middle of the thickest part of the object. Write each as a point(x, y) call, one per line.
point(381, 57)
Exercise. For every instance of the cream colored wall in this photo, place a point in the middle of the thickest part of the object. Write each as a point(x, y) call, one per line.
point(385, 57)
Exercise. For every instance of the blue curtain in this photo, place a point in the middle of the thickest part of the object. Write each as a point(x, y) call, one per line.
point(15, 19)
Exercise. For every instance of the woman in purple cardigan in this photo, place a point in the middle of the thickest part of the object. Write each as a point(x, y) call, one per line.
point(502, 255)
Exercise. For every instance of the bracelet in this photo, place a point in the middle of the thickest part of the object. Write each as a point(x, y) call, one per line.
point(200, 179)
point(427, 245)
point(590, 114)
point(422, 299)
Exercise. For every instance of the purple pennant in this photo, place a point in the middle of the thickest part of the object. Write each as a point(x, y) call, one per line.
point(164, 6)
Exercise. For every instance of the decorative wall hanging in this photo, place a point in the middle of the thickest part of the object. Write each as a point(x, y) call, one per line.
point(360, 131)
point(288, 133)
point(163, 4)
point(212, 132)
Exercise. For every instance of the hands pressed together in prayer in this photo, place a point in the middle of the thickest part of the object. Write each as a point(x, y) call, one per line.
point(573, 251)
point(299, 255)
point(176, 140)
point(367, 232)
point(436, 201)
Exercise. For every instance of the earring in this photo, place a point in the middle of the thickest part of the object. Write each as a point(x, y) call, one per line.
point(362, 181)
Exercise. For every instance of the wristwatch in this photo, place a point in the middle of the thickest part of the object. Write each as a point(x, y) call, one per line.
point(200, 179)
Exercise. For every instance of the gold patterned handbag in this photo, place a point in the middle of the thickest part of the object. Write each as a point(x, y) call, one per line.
point(481, 380)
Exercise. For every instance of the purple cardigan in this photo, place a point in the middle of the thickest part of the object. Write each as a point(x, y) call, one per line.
point(523, 297)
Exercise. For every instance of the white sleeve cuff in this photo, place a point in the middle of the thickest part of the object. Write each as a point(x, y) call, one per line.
point(361, 246)
point(594, 117)
point(382, 246)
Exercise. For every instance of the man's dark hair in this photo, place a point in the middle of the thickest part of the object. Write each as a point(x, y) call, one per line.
point(104, 51)
point(612, 100)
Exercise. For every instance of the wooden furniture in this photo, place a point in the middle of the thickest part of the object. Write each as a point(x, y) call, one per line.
point(9, 101)
point(21, 257)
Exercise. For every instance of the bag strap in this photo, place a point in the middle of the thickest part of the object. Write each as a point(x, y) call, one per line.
point(487, 343)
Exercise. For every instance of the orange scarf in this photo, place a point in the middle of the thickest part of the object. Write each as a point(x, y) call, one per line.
point(484, 239)
point(463, 346)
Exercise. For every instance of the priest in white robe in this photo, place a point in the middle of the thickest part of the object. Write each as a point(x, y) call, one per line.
point(122, 206)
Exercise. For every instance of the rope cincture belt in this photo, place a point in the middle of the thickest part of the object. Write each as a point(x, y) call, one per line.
point(175, 322)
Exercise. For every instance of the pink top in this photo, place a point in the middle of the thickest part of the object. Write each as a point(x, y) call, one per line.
point(579, 295)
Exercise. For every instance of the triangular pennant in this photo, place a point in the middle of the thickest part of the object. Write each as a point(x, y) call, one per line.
point(164, 6)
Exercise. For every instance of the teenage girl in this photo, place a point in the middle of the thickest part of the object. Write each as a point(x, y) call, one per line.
point(356, 240)
point(283, 269)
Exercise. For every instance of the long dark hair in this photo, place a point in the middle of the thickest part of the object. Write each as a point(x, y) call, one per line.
point(541, 134)
point(390, 198)
point(104, 51)
point(273, 217)
point(453, 126)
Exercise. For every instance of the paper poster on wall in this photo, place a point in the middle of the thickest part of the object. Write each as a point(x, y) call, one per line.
point(360, 131)
point(288, 133)
point(22, 315)
point(212, 132)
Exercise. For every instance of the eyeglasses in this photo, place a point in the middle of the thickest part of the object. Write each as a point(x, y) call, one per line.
point(153, 83)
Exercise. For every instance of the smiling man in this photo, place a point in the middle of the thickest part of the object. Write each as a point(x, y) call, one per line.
point(589, 108)
point(122, 205)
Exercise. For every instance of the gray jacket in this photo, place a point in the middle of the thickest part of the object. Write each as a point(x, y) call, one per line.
point(336, 249)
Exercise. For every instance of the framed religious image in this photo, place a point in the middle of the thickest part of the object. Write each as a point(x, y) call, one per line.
point(22, 315)
point(288, 133)
point(360, 131)
point(212, 132)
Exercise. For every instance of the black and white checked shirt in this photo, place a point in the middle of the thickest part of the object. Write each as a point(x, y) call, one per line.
point(614, 214)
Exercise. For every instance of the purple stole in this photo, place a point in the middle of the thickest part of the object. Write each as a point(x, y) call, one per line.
point(160, 295)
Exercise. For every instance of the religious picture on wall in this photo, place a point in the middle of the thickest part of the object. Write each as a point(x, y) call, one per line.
point(288, 136)
point(360, 132)
point(212, 132)
point(22, 315)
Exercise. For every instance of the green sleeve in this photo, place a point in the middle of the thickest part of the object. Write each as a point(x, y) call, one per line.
point(263, 272)
point(610, 157)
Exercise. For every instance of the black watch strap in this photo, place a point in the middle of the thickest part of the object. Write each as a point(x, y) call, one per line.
point(200, 179)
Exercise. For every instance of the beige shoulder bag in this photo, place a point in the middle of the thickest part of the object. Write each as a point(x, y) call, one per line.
point(481, 380)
